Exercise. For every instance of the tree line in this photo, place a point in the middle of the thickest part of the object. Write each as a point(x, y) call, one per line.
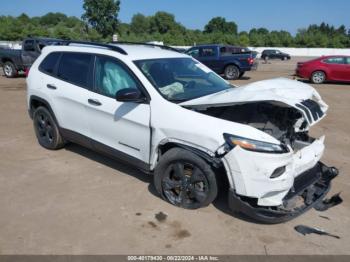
point(100, 22)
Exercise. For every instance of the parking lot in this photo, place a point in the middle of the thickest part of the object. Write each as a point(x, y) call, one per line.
point(74, 201)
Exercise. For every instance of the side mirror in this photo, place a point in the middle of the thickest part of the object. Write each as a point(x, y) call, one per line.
point(130, 95)
point(29, 47)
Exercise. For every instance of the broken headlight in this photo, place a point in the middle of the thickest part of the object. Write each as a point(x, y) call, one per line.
point(254, 145)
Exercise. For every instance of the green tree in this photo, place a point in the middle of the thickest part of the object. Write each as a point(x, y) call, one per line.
point(163, 22)
point(140, 24)
point(51, 19)
point(243, 39)
point(102, 15)
point(219, 24)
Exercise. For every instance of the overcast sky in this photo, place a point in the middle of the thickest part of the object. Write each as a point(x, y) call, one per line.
point(288, 15)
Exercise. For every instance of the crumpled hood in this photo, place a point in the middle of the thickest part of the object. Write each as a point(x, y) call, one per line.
point(283, 91)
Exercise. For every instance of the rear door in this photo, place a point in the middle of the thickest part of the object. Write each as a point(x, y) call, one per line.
point(121, 129)
point(274, 54)
point(337, 68)
point(70, 87)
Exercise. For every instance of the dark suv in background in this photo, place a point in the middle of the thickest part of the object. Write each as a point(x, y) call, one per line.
point(274, 54)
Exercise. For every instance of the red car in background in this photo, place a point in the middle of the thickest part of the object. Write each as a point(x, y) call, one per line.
point(325, 68)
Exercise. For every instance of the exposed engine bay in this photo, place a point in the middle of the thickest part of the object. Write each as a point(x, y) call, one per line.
point(274, 119)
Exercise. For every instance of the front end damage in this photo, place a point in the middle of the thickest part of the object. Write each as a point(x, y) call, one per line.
point(273, 188)
point(272, 182)
point(308, 190)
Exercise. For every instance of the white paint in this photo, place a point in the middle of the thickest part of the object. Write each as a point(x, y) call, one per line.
point(248, 172)
point(282, 90)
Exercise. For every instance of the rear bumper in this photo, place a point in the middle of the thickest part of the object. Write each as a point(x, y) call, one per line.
point(308, 190)
point(302, 73)
point(254, 66)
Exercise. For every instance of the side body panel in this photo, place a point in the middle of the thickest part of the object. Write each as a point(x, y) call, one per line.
point(13, 56)
point(122, 126)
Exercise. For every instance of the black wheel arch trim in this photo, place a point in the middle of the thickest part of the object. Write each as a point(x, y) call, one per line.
point(106, 150)
point(44, 102)
point(215, 161)
point(232, 63)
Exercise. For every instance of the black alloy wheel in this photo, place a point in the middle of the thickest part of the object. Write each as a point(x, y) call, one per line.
point(46, 129)
point(185, 180)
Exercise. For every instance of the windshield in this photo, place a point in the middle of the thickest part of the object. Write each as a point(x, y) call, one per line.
point(181, 79)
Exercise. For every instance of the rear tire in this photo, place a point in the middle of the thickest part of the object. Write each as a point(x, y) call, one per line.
point(231, 72)
point(9, 69)
point(318, 77)
point(185, 180)
point(46, 129)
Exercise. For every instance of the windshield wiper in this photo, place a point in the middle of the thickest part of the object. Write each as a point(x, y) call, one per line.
point(178, 100)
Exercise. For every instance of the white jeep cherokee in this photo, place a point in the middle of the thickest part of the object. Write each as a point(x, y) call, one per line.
point(164, 112)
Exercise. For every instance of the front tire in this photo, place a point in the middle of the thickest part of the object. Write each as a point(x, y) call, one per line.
point(231, 72)
point(46, 129)
point(185, 180)
point(318, 77)
point(9, 69)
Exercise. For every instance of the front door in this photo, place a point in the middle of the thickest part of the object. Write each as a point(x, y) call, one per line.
point(209, 57)
point(121, 129)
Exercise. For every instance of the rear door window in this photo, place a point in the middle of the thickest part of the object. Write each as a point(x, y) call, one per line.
point(75, 68)
point(29, 45)
point(334, 60)
point(48, 65)
point(208, 52)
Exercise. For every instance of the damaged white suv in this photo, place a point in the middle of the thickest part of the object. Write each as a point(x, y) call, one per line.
point(168, 114)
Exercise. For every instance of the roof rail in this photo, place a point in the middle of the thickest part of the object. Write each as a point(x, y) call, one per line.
point(108, 46)
point(147, 44)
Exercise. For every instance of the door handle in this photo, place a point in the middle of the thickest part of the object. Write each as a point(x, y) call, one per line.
point(51, 86)
point(94, 102)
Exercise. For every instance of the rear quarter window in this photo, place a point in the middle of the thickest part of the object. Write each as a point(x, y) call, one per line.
point(75, 68)
point(334, 60)
point(48, 65)
point(208, 51)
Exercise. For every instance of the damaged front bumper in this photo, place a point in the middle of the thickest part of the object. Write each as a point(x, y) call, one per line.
point(308, 190)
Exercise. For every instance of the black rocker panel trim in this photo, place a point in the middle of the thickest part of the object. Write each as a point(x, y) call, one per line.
point(104, 149)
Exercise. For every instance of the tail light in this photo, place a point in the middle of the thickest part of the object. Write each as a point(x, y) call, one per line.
point(26, 72)
point(250, 60)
